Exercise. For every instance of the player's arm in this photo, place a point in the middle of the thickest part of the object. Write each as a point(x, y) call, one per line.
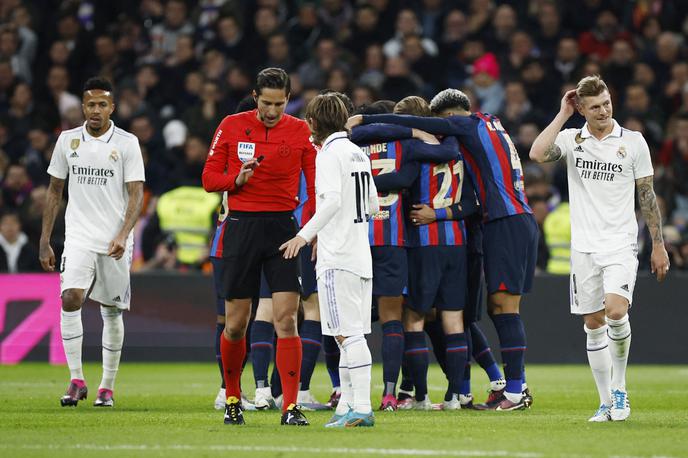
point(659, 259)
point(436, 126)
point(401, 179)
point(119, 243)
point(52, 207)
point(375, 133)
point(467, 206)
point(437, 152)
point(214, 177)
point(544, 148)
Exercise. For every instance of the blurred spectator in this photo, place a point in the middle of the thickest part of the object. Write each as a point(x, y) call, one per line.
point(618, 70)
point(365, 31)
point(486, 85)
point(667, 50)
point(203, 118)
point(7, 81)
point(678, 152)
point(265, 23)
point(327, 55)
point(238, 85)
point(16, 186)
point(58, 84)
point(25, 114)
point(504, 24)
point(11, 51)
point(373, 74)
point(16, 253)
point(230, 39)
point(336, 16)
point(637, 103)
point(550, 30)
point(38, 154)
point(278, 52)
point(399, 80)
point(304, 31)
point(421, 63)
point(454, 32)
point(597, 43)
point(521, 47)
point(164, 36)
point(567, 62)
point(517, 109)
point(188, 172)
point(407, 24)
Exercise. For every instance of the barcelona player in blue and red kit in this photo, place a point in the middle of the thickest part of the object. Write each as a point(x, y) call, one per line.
point(387, 237)
point(510, 232)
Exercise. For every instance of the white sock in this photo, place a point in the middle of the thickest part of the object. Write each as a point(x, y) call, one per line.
point(360, 362)
point(619, 344)
point(113, 337)
point(600, 360)
point(346, 400)
point(72, 331)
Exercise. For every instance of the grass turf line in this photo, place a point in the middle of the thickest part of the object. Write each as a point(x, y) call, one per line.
point(166, 410)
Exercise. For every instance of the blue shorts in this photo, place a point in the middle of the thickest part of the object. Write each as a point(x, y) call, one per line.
point(309, 284)
point(390, 270)
point(264, 292)
point(510, 247)
point(218, 274)
point(437, 278)
point(474, 288)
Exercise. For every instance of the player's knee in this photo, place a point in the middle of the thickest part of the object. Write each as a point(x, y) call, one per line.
point(235, 328)
point(616, 307)
point(452, 322)
point(71, 300)
point(285, 325)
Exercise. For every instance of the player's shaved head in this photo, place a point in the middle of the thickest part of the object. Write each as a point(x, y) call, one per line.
point(450, 99)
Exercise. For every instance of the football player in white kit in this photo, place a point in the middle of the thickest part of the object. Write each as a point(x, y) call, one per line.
point(346, 198)
point(606, 164)
point(106, 175)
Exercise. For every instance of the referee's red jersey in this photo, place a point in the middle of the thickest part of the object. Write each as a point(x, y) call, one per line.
point(274, 186)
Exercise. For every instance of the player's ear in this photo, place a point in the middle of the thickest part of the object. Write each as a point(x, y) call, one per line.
point(254, 94)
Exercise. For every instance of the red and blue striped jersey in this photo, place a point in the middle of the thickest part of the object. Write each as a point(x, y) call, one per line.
point(301, 216)
point(218, 238)
point(386, 227)
point(490, 156)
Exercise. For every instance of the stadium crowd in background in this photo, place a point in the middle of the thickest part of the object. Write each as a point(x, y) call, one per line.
point(180, 66)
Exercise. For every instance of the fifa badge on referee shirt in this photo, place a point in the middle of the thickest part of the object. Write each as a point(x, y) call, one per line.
point(74, 144)
point(621, 153)
point(246, 151)
point(114, 156)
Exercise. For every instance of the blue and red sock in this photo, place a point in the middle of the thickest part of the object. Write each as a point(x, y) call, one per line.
point(311, 336)
point(331, 350)
point(512, 339)
point(392, 353)
point(416, 352)
point(456, 356)
point(482, 353)
point(262, 333)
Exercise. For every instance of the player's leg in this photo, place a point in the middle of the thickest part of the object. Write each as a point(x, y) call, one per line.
point(262, 336)
point(218, 266)
point(417, 356)
point(77, 270)
point(331, 350)
point(310, 329)
point(433, 328)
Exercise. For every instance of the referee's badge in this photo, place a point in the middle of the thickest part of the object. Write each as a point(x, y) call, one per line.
point(621, 153)
point(246, 151)
point(74, 144)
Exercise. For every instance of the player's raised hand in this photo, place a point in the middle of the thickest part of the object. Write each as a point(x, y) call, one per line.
point(659, 262)
point(292, 247)
point(354, 121)
point(425, 137)
point(422, 214)
point(47, 257)
point(116, 247)
point(246, 172)
point(568, 103)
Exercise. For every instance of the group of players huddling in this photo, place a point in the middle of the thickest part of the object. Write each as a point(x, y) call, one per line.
point(409, 206)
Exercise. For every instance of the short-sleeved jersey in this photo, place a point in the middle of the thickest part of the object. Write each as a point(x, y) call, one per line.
point(286, 151)
point(342, 168)
point(98, 169)
point(601, 176)
point(489, 154)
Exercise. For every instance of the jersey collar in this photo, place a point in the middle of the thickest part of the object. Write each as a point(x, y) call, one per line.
point(616, 131)
point(333, 137)
point(105, 138)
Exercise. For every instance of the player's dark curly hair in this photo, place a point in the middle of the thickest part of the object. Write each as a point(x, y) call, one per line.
point(98, 82)
point(450, 98)
point(272, 78)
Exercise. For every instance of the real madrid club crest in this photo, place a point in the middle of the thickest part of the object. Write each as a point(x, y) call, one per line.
point(114, 156)
point(621, 153)
point(74, 144)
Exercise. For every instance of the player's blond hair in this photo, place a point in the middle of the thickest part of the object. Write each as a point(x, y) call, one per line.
point(591, 86)
point(327, 115)
point(412, 105)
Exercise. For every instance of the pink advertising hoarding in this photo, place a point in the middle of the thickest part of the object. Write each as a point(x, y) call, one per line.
point(27, 290)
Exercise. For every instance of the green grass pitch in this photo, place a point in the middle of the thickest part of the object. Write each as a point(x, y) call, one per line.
point(166, 410)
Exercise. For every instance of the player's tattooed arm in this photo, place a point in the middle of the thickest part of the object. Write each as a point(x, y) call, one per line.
point(118, 244)
point(552, 153)
point(648, 207)
point(52, 206)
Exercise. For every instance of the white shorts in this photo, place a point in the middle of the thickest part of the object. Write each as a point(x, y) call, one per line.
point(345, 303)
point(593, 275)
point(80, 268)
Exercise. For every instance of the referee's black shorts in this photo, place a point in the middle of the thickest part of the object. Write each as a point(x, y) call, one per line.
point(251, 243)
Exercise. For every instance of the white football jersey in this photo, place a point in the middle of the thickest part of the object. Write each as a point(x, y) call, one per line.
point(98, 168)
point(342, 167)
point(601, 177)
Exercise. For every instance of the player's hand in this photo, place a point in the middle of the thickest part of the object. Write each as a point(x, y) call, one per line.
point(47, 257)
point(116, 247)
point(659, 261)
point(355, 120)
point(246, 172)
point(314, 250)
point(422, 214)
point(425, 137)
point(568, 103)
point(292, 247)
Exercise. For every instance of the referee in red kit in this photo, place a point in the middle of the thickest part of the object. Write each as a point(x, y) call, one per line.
point(257, 157)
